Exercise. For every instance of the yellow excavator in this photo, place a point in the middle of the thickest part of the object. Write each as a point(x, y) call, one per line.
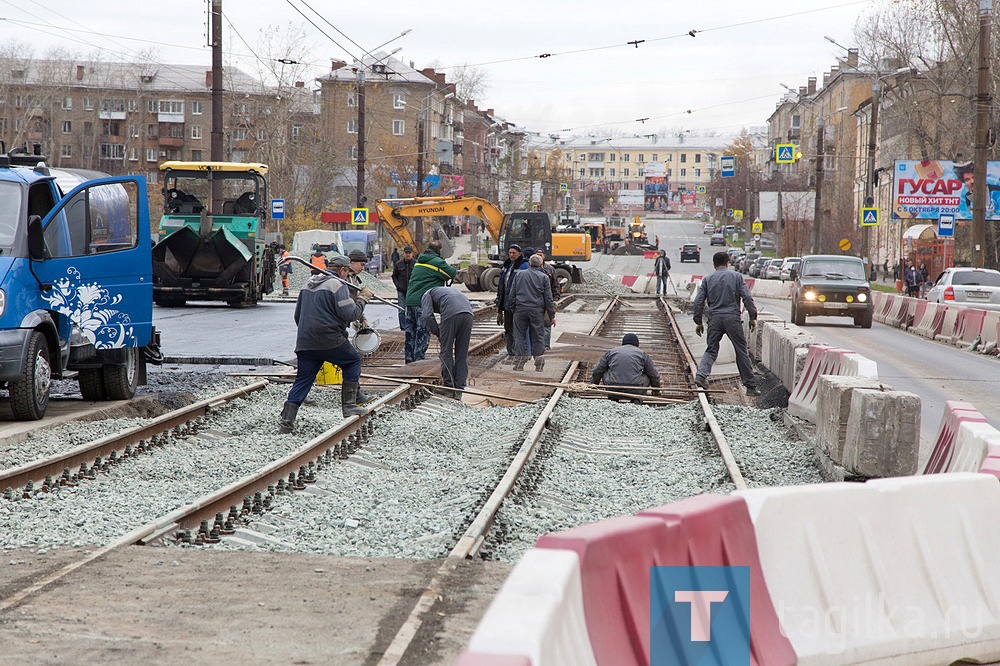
point(525, 228)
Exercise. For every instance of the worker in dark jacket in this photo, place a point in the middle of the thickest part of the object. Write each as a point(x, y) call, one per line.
point(454, 333)
point(429, 271)
point(401, 271)
point(516, 261)
point(324, 309)
point(530, 299)
point(626, 366)
point(721, 292)
point(556, 293)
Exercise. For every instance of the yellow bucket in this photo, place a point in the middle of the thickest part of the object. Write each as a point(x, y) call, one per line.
point(329, 374)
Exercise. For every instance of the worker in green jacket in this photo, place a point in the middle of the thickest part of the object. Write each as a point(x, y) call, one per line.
point(431, 270)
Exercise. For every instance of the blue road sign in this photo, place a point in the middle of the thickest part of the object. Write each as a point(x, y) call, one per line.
point(277, 209)
point(728, 164)
point(869, 217)
point(359, 216)
point(784, 153)
point(946, 225)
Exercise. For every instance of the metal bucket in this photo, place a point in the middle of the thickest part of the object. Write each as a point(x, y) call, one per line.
point(367, 340)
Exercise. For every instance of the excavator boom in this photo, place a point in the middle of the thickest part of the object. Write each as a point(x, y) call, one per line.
point(395, 218)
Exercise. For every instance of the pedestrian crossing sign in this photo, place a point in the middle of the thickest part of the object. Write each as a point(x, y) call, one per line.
point(359, 216)
point(869, 217)
point(757, 227)
point(784, 153)
point(702, 189)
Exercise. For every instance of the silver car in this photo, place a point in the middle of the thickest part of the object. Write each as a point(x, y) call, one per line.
point(786, 267)
point(773, 269)
point(973, 287)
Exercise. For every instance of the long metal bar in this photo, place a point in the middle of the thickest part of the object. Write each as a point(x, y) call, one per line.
point(37, 470)
point(350, 285)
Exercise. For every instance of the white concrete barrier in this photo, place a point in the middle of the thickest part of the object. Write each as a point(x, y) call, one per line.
point(893, 571)
point(949, 324)
point(824, 360)
point(538, 612)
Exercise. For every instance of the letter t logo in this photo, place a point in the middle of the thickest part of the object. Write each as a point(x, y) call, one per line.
point(701, 610)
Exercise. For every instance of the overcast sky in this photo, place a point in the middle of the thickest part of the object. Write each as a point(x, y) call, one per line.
point(728, 75)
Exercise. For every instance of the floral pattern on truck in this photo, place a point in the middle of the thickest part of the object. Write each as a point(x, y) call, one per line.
point(92, 308)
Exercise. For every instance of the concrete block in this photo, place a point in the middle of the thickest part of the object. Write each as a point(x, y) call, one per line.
point(833, 409)
point(755, 340)
point(883, 433)
point(779, 344)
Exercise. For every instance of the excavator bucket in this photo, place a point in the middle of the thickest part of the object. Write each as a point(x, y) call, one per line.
point(447, 244)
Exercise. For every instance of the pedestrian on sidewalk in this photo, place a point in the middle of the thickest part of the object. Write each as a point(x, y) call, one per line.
point(721, 292)
point(324, 310)
point(626, 366)
point(454, 333)
point(661, 269)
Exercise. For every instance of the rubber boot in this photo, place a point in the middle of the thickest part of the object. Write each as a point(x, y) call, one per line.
point(363, 398)
point(349, 400)
point(288, 413)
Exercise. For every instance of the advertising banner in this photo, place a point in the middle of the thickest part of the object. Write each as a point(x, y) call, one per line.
point(926, 189)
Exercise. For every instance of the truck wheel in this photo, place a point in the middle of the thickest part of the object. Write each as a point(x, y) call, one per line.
point(564, 277)
point(120, 381)
point(29, 395)
point(91, 381)
point(490, 278)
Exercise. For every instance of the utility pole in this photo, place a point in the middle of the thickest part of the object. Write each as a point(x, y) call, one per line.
point(361, 200)
point(817, 244)
point(870, 180)
point(983, 101)
point(217, 105)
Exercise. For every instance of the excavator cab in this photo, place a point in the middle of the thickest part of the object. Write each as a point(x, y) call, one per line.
point(527, 229)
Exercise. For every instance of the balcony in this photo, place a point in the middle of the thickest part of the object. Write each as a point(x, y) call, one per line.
point(111, 115)
point(171, 142)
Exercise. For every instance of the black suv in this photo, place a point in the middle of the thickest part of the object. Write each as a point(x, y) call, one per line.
point(831, 285)
point(690, 251)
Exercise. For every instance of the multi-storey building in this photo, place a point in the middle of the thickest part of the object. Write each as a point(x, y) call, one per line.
point(603, 172)
point(124, 117)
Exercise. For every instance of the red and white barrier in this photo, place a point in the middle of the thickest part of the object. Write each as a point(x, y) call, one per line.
point(990, 335)
point(928, 321)
point(969, 326)
point(898, 311)
point(955, 413)
point(949, 323)
point(823, 360)
point(883, 303)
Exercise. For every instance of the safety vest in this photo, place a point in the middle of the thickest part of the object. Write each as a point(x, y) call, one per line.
point(318, 262)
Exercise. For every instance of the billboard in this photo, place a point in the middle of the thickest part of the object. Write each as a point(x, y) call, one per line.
point(924, 189)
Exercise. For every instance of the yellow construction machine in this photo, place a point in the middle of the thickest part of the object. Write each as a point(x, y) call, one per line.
point(524, 228)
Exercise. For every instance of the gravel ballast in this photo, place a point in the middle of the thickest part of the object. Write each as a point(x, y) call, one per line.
point(596, 281)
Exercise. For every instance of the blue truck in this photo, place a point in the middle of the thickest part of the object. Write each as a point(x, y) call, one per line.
point(76, 288)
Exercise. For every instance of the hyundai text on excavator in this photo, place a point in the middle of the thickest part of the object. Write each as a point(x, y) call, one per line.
point(524, 228)
point(212, 243)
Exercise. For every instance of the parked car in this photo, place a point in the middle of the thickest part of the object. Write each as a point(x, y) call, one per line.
point(757, 269)
point(772, 269)
point(690, 252)
point(730, 229)
point(973, 287)
point(832, 286)
point(748, 260)
point(708, 229)
point(765, 244)
point(717, 239)
point(786, 266)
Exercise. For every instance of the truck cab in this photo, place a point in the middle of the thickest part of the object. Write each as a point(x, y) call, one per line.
point(75, 283)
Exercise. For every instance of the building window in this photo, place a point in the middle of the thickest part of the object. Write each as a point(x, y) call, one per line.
point(670, 173)
point(112, 128)
point(352, 99)
point(697, 158)
point(88, 128)
point(670, 157)
point(684, 172)
point(88, 104)
point(583, 173)
point(171, 106)
point(296, 133)
point(569, 158)
point(240, 109)
point(195, 155)
point(152, 131)
point(262, 134)
point(67, 103)
point(87, 151)
point(398, 128)
point(18, 101)
point(398, 102)
point(642, 158)
point(624, 173)
point(133, 131)
point(684, 158)
point(611, 172)
point(195, 131)
point(354, 152)
point(112, 151)
point(641, 173)
point(352, 127)
point(196, 108)
point(626, 157)
point(151, 154)
point(656, 157)
point(597, 173)
point(151, 105)
point(67, 127)
point(595, 157)
point(176, 131)
point(113, 105)
point(583, 158)
point(133, 154)
point(67, 150)
point(697, 173)
point(133, 105)
point(611, 157)
point(240, 134)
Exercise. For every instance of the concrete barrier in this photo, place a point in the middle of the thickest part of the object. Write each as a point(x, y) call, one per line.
point(538, 612)
point(771, 289)
point(868, 573)
point(949, 323)
point(969, 326)
point(973, 443)
point(833, 411)
point(755, 340)
point(990, 335)
point(883, 303)
point(955, 413)
point(783, 351)
point(823, 360)
point(897, 313)
point(929, 325)
point(883, 434)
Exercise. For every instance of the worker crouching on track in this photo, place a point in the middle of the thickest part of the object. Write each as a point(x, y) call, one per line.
point(431, 270)
point(323, 311)
point(454, 333)
point(531, 299)
point(722, 292)
point(626, 366)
